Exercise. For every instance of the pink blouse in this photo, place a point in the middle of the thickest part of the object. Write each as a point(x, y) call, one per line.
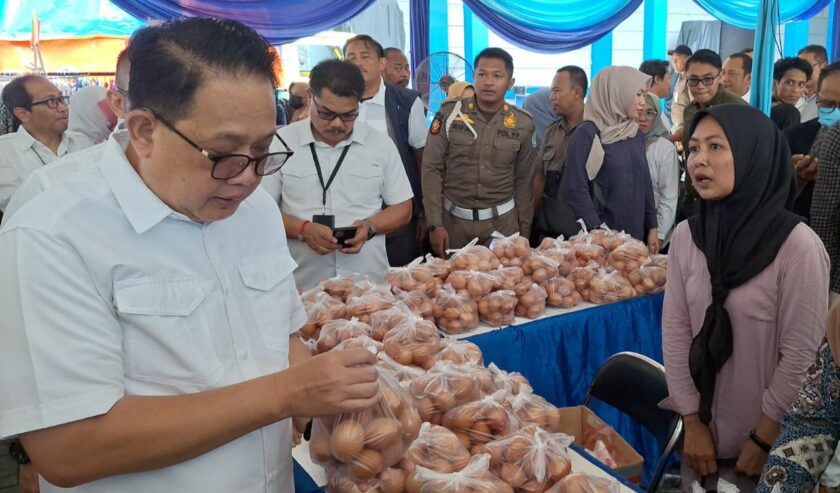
point(778, 320)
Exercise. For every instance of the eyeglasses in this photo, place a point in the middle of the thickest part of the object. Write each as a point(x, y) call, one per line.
point(325, 114)
point(649, 114)
point(707, 81)
point(52, 103)
point(227, 166)
point(827, 105)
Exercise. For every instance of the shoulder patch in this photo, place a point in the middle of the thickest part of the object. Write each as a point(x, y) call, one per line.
point(437, 123)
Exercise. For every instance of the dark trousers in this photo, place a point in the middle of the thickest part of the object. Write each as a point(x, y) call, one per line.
point(402, 245)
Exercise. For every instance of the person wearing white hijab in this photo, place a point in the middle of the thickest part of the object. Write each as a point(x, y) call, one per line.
point(89, 114)
point(607, 180)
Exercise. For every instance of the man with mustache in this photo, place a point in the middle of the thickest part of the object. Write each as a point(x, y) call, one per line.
point(340, 174)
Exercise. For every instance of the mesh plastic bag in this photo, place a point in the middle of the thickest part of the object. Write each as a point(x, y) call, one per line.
point(562, 293)
point(511, 250)
point(474, 284)
point(460, 352)
point(532, 302)
point(609, 286)
point(531, 459)
point(335, 331)
point(475, 478)
point(497, 308)
point(320, 308)
point(413, 342)
point(454, 313)
point(361, 445)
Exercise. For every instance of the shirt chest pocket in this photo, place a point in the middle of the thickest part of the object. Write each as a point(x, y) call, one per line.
point(364, 181)
point(270, 297)
point(300, 182)
point(167, 337)
point(549, 152)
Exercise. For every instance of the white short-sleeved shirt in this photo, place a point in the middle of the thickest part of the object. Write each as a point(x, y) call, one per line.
point(55, 172)
point(106, 292)
point(21, 154)
point(373, 113)
point(372, 173)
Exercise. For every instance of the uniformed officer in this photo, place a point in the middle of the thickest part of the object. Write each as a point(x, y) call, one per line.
point(478, 162)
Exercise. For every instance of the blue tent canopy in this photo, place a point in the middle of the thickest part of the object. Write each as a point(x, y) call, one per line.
point(65, 19)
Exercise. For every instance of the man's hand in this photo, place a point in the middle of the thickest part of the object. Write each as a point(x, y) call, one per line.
point(805, 166)
point(358, 241)
point(699, 447)
point(751, 460)
point(331, 383)
point(653, 242)
point(422, 229)
point(29, 479)
point(439, 238)
point(320, 238)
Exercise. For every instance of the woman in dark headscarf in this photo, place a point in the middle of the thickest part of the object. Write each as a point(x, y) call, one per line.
point(746, 297)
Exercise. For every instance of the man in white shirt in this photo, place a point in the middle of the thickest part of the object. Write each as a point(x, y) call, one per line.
point(149, 311)
point(737, 75)
point(817, 58)
point(42, 113)
point(56, 171)
point(398, 112)
point(342, 171)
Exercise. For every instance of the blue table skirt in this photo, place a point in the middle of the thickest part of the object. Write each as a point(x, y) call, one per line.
point(560, 356)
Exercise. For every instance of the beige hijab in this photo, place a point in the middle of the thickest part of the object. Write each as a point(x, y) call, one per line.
point(832, 331)
point(613, 91)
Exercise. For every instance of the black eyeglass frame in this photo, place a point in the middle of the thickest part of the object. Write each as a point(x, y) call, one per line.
point(216, 158)
point(330, 115)
point(51, 103)
point(694, 82)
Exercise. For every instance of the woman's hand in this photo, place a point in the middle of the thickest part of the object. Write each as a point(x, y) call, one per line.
point(699, 447)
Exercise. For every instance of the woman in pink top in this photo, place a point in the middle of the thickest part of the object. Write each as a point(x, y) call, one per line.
point(745, 301)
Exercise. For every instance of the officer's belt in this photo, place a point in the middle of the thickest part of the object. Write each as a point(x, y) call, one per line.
point(478, 214)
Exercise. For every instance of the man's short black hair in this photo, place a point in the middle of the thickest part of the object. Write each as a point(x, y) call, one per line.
point(705, 56)
point(785, 65)
point(655, 68)
point(15, 94)
point(341, 77)
point(832, 69)
point(576, 76)
point(819, 52)
point(368, 41)
point(746, 61)
point(388, 51)
point(498, 54)
point(170, 61)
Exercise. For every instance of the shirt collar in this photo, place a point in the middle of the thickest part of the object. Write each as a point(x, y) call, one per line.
point(306, 137)
point(379, 97)
point(25, 141)
point(140, 205)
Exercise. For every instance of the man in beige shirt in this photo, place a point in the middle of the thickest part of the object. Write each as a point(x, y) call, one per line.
point(478, 162)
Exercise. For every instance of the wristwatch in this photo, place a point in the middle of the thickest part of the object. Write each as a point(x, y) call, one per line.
point(18, 453)
point(431, 228)
point(371, 228)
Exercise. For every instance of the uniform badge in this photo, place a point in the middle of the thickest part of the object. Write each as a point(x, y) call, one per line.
point(510, 120)
point(436, 124)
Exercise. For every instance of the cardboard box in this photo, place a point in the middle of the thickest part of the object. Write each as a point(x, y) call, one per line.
point(576, 421)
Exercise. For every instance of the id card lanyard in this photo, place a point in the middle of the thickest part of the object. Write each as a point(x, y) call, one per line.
point(325, 187)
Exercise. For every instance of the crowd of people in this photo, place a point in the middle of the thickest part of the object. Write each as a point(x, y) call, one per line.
point(149, 275)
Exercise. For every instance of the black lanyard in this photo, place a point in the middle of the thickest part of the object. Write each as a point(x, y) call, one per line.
point(321, 175)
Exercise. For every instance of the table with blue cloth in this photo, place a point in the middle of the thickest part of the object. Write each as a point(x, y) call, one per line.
point(561, 353)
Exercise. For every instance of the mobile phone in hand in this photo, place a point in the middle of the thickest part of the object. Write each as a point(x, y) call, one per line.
point(344, 234)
